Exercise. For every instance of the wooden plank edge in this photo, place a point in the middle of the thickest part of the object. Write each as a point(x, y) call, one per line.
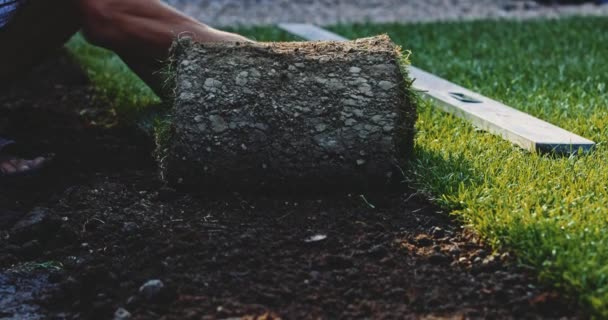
point(524, 143)
point(319, 33)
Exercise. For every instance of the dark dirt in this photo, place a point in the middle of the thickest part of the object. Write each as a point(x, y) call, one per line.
point(102, 215)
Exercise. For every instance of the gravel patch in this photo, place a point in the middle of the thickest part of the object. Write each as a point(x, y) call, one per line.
point(325, 12)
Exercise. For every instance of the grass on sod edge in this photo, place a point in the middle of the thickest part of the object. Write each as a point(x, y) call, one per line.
point(552, 212)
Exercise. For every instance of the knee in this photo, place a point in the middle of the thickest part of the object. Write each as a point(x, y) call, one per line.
point(100, 20)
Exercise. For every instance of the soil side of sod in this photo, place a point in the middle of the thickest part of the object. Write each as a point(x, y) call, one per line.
point(101, 216)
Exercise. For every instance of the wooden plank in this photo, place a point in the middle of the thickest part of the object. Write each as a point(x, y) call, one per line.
point(511, 124)
point(311, 32)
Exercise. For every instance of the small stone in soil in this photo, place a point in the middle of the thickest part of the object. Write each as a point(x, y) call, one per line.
point(151, 289)
point(122, 314)
point(437, 232)
point(489, 263)
point(481, 253)
point(31, 220)
point(36, 224)
point(316, 238)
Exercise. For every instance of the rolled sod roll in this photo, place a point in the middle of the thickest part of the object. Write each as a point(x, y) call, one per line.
point(288, 116)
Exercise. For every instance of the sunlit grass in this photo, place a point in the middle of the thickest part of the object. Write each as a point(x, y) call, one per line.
point(552, 212)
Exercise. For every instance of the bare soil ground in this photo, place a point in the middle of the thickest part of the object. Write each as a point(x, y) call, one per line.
point(80, 240)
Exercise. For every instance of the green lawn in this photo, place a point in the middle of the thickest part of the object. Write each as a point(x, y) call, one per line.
point(552, 212)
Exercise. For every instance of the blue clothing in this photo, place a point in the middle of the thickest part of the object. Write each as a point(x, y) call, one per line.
point(5, 142)
point(7, 9)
